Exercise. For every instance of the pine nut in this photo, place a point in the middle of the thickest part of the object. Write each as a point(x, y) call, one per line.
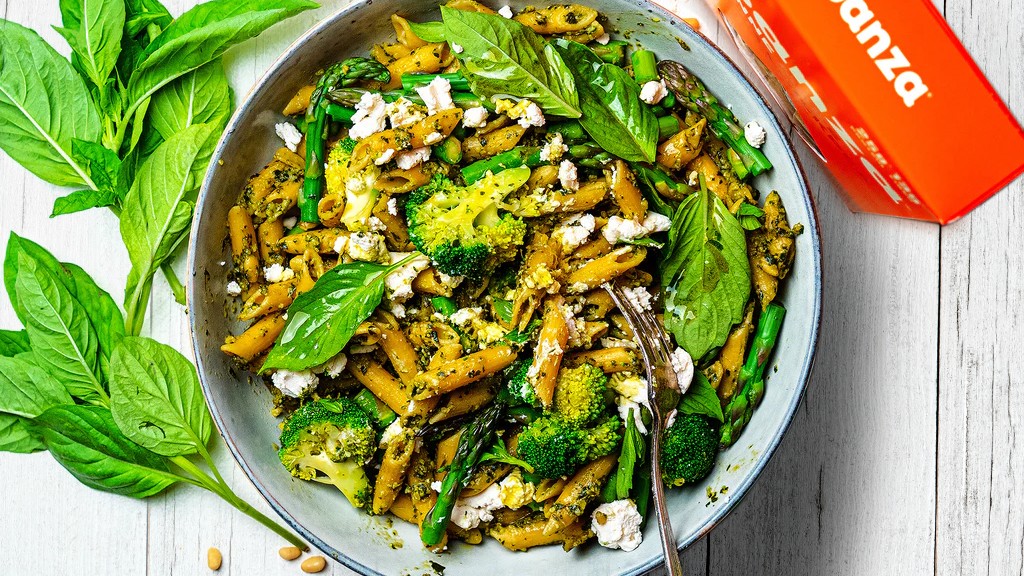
point(214, 559)
point(313, 564)
point(289, 552)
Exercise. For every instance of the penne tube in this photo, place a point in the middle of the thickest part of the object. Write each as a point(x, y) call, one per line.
point(268, 299)
point(256, 339)
point(393, 466)
point(269, 234)
point(299, 102)
point(609, 360)
point(406, 37)
point(384, 386)
point(330, 208)
point(493, 143)
point(399, 351)
point(321, 240)
point(462, 371)
point(579, 492)
point(372, 147)
point(428, 58)
point(682, 147)
point(606, 268)
point(558, 19)
point(551, 344)
point(627, 196)
point(463, 401)
point(529, 532)
point(399, 181)
point(244, 249)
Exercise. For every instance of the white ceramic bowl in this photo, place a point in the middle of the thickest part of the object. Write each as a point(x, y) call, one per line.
point(321, 514)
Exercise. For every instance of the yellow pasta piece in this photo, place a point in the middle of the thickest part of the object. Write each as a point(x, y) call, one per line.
point(388, 53)
point(682, 147)
point(462, 371)
point(484, 146)
point(705, 166)
point(542, 176)
point(557, 19)
point(330, 208)
point(280, 169)
point(529, 532)
point(384, 386)
point(371, 148)
point(256, 339)
point(400, 351)
point(267, 299)
point(427, 282)
point(579, 492)
point(244, 250)
point(391, 475)
point(486, 474)
point(406, 37)
point(469, 6)
point(548, 488)
point(321, 240)
point(445, 454)
point(609, 360)
point(606, 268)
point(428, 58)
point(587, 35)
point(537, 277)
point(399, 181)
point(627, 196)
point(463, 401)
point(395, 231)
point(279, 200)
point(554, 334)
point(270, 233)
point(299, 102)
point(596, 248)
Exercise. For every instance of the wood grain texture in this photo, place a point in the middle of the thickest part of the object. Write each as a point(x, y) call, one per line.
point(905, 458)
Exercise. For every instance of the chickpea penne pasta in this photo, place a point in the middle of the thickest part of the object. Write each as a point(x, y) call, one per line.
point(299, 102)
point(606, 268)
point(554, 334)
point(384, 386)
point(391, 476)
point(244, 249)
point(609, 360)
point(256, 339)
point(462, 371)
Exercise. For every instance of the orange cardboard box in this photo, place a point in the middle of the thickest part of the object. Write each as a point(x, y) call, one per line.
point(901, 115)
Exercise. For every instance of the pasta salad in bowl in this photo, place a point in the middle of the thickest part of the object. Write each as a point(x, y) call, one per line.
point(423, 205)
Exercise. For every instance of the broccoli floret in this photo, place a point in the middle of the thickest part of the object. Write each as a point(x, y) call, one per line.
point(460, 228)
point(520, 390)
point(604, 438)
point(580, 394)
point(552, 446)
point(688, 450)
point(328, 441)
point(357, 186)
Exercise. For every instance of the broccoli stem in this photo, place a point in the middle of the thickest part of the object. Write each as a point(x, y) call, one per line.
point(475, 438)
point(614, 52)
point(751, 377)
point(514, 158)
point(645, 67)
point(694, 96)
point(457, 80)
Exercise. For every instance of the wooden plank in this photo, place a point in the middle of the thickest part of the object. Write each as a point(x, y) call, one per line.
point(980, 513)
point(852, 487)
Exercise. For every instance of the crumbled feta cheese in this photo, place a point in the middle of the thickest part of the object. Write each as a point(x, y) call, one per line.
point(755, 134)
point(654, 92)
point(398, 310)
point(437, 95)
point(335, 366)
point(617, 525)
point(394, 430)
point(411, 158)
point(376, 224)
point(603, 39)
point(404, 112)
point(435, 485)
point(457, 48)
point(574, 231)
point(488, 333)
point(609, 342)
point(568, 176)
point(638, 297)
point(368, 247)
point(618, 228)
point(393, 206)
point(433, 138)
point(506, 11)
point(655, 222)
point(624, 405)
point(290, 222)
point(341, 245)
point(631, 393)
point(553, 149)
point(532, 116)
point(370, 116)
point(385, 157)
point(526, 112)
point(233, 288)
point(398, 284)
point(475, 117)
point(469, 512)
point(288, 133)
point(683, 366)
point(294, 384)
point(578, 287)
point(465, 316)
point(693, 179)
point(545, 350)
point(362, 349)
point(277, 273)
point(540, 278)
point(449, 281)
point(515, 492)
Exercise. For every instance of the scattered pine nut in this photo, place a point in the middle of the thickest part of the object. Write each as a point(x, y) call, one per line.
point(693, 22)
point(289, 552)
point(313, 564)
point(214, 559)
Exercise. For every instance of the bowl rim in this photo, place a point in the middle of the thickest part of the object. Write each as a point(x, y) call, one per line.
point(811, 228)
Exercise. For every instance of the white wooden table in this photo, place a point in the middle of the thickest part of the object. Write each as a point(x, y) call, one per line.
point(907, 456)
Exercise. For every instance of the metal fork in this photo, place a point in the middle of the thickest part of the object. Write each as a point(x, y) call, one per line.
point(663, 396)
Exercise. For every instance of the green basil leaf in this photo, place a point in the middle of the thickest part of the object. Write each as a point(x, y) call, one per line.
point(27, 390)
point(44, 105)
point(13, 342)
point(613, 113)
point(80, 200)
point(749, 216)
point(15, 436)
point(501, 57)
point(201, 35)
point(63, 340)
point(503, 308)
point(705, 273)
point(428, 31)
point(93, 30)
point(156, 399)
point(141, 13)
point(323, 320)
point(701, 398)
point(104, 315)
point(102, 164)
point(202, 96)
point(633, 450)
point(86, 441)
point(157, 212)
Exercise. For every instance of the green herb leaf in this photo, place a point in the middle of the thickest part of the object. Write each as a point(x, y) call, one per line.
point(503, 308)
point(201, 35)
point(499, 453)
point(705, 273)
point(155, 398)
point(15, 436)
point(27, 390)
point(501, 57)
point(44, 105)
point(141, 13)
point(323, 320)
point(63, 340)
point(157, 212)
point(633, 450)
point(85, 441)
point(80, 200)
point(613, 113)
point(13, 342)
point(93, 30)
point(749, 216)
point(202, 96)
point(701, 399)
point(428, 31)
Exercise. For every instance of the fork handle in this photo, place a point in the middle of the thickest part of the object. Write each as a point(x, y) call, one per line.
point(668, 540)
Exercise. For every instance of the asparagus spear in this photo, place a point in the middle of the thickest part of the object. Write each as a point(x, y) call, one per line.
point(751, 377)
point(344, 73)
point(692, 94)
point(476, 438)
point(350, 96)
point(456, 79)
point(613, 52)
